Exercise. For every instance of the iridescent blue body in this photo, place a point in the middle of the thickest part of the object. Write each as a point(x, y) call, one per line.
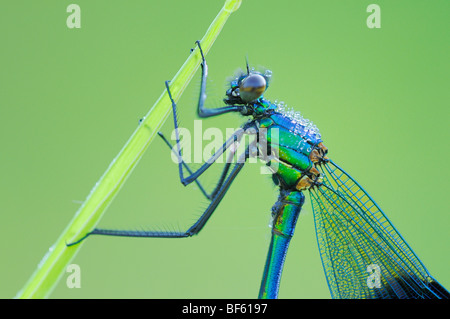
point(363, 255)
point(354, 235)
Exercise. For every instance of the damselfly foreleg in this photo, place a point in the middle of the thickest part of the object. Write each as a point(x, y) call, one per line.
point(202, 112)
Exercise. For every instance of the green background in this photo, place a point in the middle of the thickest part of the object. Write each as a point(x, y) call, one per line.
point(70, 99)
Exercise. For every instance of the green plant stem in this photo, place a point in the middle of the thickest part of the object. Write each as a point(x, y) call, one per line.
point(52, 266)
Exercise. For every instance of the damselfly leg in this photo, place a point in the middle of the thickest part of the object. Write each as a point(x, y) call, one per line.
point(224, 182)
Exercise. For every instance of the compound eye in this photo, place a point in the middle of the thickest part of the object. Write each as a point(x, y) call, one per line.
point(252, 87)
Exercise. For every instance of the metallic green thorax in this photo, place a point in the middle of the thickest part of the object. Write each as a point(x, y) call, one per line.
point(291, 141)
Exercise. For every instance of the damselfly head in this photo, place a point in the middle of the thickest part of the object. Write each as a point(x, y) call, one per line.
point(252, 87)
point(247, 86)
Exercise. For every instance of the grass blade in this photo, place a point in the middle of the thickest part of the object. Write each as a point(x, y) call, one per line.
point(56, 260)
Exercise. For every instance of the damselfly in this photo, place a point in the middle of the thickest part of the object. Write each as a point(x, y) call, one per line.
point(363, 255)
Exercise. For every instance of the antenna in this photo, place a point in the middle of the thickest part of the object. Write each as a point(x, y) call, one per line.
point(246, 62)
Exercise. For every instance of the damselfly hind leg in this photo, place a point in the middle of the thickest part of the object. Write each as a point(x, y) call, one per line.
point(193, 230)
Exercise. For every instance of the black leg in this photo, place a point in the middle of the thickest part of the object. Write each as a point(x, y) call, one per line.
point(185, 166)
point(193, 230)
point(193, 176)
point(222, 177)
point(202, 111)
point(224, 181)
